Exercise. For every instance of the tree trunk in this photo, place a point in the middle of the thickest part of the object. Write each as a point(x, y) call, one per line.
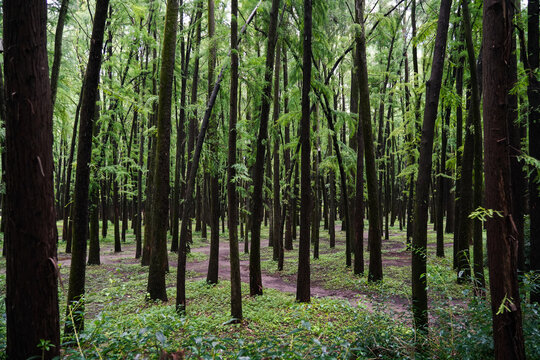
point(419, 241)
point(160, 208)
point(303, 291)
point(276, 203)
point(533, 92)
point(31, 264)
point(359, 200)
point(213, 261)
point(77, 272)
point(478, 260)
point(255, 281)
point(234, 256)
point(374, 235)
point(501, 238)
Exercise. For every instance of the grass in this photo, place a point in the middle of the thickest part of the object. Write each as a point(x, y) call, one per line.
point(121, 324)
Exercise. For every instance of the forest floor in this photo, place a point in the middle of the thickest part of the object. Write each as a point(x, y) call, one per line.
point(348, 317)
point(394, 249)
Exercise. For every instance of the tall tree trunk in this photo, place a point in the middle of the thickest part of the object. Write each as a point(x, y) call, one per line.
point(181, 133)
point(213, 261)
point(501, 238)
point(276, 203)
point(459, 162)
point(478, 260)
point(419, 241)
point(31, 264)
point(359, 200)
point(77, 272)
point(303, 290)
point(533, 92)
point(374, 234)
point(232, 204)
point(255, 281)
point(158, 256)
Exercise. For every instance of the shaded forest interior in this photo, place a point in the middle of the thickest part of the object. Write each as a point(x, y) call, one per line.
point(270, 179)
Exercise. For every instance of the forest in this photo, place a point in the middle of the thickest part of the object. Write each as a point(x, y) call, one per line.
point(270, 179)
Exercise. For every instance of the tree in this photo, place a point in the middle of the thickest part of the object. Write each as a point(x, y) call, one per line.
point(234, 255)
point(158, 255)
point(533, 92)
point(213, 261)
point(303, 292)
point(374, 232)
point(419, 240)
point(31, 268)
point(255, 280)
point(501, 238)
point(77, 272)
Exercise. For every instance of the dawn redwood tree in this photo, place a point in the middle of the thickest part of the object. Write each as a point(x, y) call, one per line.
point(375, 272)
point(255, 279)
point(77, 272)
point(419, 239)
point(501, 238)
point(533, 92)
point(213, 261)
point(158, 255)
point(31, 264)
point(303, 291)
point(359, 198)
point(232, 195)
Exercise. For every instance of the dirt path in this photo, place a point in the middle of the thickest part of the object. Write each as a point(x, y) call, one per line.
point(270, 280)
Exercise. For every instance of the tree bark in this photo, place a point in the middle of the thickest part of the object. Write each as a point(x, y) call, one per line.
point(255, 281)
point(303, 291)
point(533, 92)
point(31, 264)
point(501, 238)
point(77, 272)
point(374, 234)
point(213, 261)
point(419, 241)
point(234, 255)
point(160, 208)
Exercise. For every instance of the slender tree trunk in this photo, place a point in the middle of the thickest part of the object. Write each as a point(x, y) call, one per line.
point(374, 235)
point(359, 199)
point(303, 291)
point(213, 261)
point(31, 262)
point(77, 272)
point(234, 256)
point(276, 204)
point(478, 260)
point(459, 162)
point(181, 134)
point(255, 281)
point(158, 256)
point(419, 241)
point(501, 238)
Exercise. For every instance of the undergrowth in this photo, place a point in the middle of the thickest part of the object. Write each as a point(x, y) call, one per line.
point(121, 324)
